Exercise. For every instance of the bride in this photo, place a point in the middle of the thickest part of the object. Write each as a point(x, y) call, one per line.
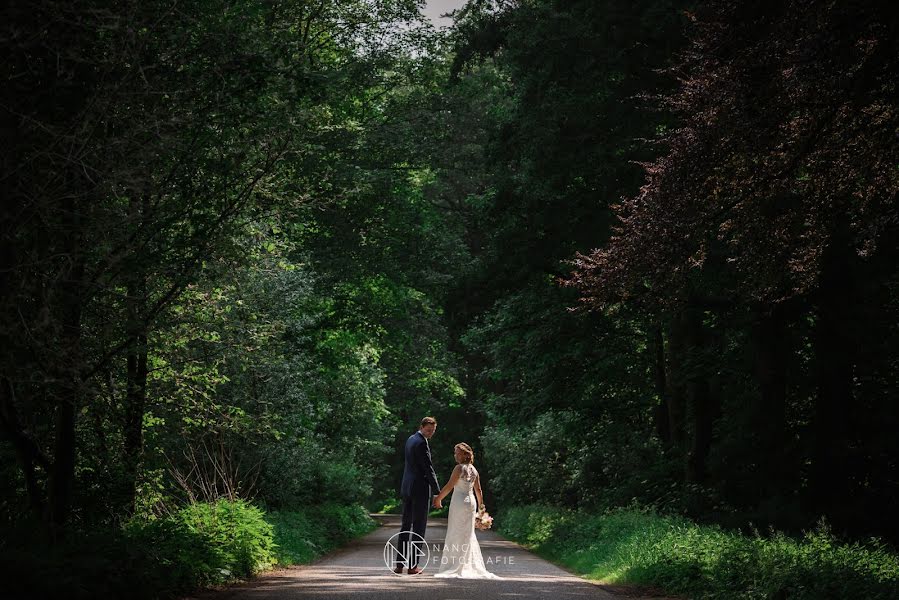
point(461, 552)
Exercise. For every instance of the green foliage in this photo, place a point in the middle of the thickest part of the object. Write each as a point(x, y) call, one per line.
point(188, 234)
point(743, 407)
point(204, 544)
point(301, 535)
point(642, 546)
point(256, 365)
point(235, 528)
point(317, 224)
point(391, 506)
point(533, 464)
point(604, 464)
point(199, 545)
point(547, 135)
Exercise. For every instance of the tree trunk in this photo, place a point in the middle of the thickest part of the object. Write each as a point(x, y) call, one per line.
point(834, 345)
point(676, 381)
point(656, 345)
point(135, 405)
point(771, 357)
point(136, 378)
point(699, 393)
point(62, 473)
point(28, 454)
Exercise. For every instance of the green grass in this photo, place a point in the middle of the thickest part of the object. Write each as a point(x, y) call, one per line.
point(642, 547)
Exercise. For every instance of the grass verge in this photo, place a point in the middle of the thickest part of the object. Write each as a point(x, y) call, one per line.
point(642, 547)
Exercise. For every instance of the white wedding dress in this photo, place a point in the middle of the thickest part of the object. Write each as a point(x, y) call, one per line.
point(461, 555)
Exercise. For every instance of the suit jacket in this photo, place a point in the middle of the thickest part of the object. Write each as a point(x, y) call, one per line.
point(418, 475)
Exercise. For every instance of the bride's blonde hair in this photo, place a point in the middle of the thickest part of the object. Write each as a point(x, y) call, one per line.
point(469, 453)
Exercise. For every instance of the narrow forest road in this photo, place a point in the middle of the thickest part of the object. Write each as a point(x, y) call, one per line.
point(357, 571)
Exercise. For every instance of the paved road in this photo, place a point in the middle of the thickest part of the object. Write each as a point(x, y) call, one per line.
point(358, 572)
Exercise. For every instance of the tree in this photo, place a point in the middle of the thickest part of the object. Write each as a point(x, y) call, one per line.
point(777, 197)
point(146, 136)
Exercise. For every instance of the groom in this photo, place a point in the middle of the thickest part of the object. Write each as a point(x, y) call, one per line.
point(418, 489)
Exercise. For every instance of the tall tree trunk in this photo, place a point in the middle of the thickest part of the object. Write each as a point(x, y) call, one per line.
point(675, 383)
point(28, 454)
point(656, 345)
point(699, 393)
point(136, 376)
point(771, 355)
point(135, 405)
point(70, 299)
point(834, 344)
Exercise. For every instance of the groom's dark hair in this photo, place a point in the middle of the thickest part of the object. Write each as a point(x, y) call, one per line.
point(428, 421)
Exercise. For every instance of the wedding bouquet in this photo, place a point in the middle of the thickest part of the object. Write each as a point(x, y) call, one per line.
point(483, 520)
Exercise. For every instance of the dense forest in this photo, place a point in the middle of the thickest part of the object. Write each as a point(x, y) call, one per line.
point(634, 253)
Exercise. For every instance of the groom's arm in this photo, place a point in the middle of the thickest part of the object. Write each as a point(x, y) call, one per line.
point(426, 468)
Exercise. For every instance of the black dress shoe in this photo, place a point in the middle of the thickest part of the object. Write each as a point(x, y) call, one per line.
point(398, 570)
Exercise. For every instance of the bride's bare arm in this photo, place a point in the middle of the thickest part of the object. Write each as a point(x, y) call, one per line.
point(477, 491)
point(457, 471)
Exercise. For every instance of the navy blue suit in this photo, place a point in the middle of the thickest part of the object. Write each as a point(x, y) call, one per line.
point(418, 487)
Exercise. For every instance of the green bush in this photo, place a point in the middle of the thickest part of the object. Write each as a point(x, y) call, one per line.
point(388, 505)
point(199, 545)
point(300, 536)
point(209, 543)
point(641, 546)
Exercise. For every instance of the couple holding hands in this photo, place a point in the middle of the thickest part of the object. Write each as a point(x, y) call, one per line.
point(420, 491)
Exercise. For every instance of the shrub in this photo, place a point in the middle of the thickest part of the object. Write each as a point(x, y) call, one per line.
point(205, 543)
point(300, 536)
